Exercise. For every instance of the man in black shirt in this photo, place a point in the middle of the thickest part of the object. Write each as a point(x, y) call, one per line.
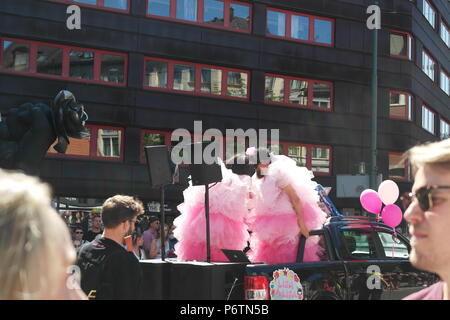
point(108, 271)
point(95, 229)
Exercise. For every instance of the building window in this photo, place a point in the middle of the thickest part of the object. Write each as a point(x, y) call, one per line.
point(444, 129)
point(400, 105)
point(152, 138)
point(444, 82)
point(428, 65)
point(104, 143)
point(114, 5)
point(428, 120)
point(224, 14)
point(445, 33)
point(429, 13)
point(300, 92)
point(315, 158)
point(398, 169)
point(300, 27)
point(55, 61)
point(16, 56)
point(400, 45)
point(196, 79)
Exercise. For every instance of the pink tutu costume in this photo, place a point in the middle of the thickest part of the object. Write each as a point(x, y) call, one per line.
point(228, 202)
point(273, 221)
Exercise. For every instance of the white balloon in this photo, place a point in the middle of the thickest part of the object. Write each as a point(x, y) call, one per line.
point(388, 192)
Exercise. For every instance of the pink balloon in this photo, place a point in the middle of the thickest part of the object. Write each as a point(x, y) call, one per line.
point(371, 201)
point(388, 192)
point(392, 215)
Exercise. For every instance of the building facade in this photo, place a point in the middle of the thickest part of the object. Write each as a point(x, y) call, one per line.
point(144, 68)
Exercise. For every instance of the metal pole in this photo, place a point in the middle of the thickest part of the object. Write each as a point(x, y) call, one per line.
point(208, 245)
point(162, 225)
point(374, 116)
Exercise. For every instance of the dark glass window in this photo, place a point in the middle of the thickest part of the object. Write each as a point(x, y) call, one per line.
point(184, 77)
point(274, 90)
point(112, 68)
point(82, 64)
point(321, 95)
point(116, 4)
point(108, 143)
point(16, 56)
point(151, 139)
point(398, 45)
point(239, 16)
point(187, 10)
point(320, 159)
point(159, 7)
point(93, 2)
point(211, 81)
point(298, 153)
point(400, 105)
point(298, 93)
point(49, 60)
point(156, 74)
point(214, 12)
point(359, 244)
point(322, 31)
point(276, 23)
point(397, 168)
point(300, 27)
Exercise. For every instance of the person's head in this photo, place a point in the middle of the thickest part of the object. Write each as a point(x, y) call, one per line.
point(166, 232)
point(154, 223)
point(240, 165)
point(35, 244)
point(263, 161)
point(78, 233)
point(138, 239)
point(120, 212)
point(429, 212)
point(96, 222)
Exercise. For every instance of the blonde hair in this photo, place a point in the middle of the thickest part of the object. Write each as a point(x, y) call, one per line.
point(431, 153)
point(32, 238)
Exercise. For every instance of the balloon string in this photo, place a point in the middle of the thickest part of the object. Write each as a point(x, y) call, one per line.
point(393, 244)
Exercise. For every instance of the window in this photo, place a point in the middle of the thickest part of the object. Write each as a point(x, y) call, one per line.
point(16, 56)
point(428, 65)
point(56, 61)
point(224, 14)
point(444, 129)
point(400, 105)
point(104, 143)
point(444, 82)
point(114, 5)
point(428, 120)
point(394, 248)
point(400, 45)
point(196, 79)
point(445, 33)
point(49, 60)
point(429, 13)
point(300, 27)
point(295, 91)
point(153, 138)
point(397, 167)
point(315, 158)
point(359, 244)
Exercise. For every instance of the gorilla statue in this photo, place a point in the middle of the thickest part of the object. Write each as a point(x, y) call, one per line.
point(30, 130)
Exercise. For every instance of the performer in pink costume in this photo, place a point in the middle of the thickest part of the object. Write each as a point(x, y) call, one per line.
point(286, 206)
point(228, 202)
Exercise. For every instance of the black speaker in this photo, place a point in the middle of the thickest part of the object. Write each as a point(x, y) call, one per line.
point(159, 165)
point(203, 174)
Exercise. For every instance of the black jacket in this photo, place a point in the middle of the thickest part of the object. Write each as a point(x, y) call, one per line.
point(109, 272)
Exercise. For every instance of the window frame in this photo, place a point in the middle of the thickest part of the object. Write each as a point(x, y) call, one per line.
point(409, 45)
point(100, 5)
point(425, 106)
point(310, 96)
point(443, 71)
point(197, 88)
point(434, 11)
point(142, 157)
point(442, 119)
point(93, 147)
point(444, 25)
point(425, 52)
point(288, 27)
point(65, 62)
point(200, 15)
point(409, 106)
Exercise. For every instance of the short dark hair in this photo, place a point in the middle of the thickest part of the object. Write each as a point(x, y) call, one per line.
point(120, 208)
point(240, 165)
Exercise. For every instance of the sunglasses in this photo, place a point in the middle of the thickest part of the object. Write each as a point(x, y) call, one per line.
point(78, 232)
point(424, 197)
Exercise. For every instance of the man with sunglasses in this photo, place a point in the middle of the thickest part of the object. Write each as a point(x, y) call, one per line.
point(108, 270)
point(429, 216)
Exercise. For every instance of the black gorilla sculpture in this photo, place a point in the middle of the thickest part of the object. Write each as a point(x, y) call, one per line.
point(31, 129)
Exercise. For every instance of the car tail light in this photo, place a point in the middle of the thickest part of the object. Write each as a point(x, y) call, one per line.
point(256, 288)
